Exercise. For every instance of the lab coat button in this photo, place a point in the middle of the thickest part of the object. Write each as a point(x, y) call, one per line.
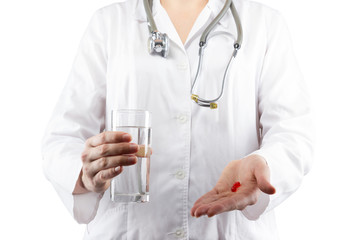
point(180, 175)
point(179, 233)
point(182, 66)
point(182, 118)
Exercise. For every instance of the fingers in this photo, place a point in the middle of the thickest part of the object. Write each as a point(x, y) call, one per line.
point(222, 204)
point(262, 175)
point(110, 162)
point(200, 210)
point(235, 202)
point(101, 181)
point(206, 199)
point(212, 208)
point(108, 137)
point(207, 208)
point(254, 177)
point(113, 149)
point(97, 173)
point(104, 157)
point(107, 174)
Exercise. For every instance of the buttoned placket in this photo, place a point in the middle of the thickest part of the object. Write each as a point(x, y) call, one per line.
point(183, 118)
point(179, 173)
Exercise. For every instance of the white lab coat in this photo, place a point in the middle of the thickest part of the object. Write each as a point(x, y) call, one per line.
point(264, 110)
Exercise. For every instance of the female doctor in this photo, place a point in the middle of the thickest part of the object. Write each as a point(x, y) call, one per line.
point(258, 133)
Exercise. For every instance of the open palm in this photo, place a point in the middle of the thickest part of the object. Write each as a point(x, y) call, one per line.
point(253, 174)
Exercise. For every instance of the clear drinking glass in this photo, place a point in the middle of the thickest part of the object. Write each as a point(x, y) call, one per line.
point(132, 184)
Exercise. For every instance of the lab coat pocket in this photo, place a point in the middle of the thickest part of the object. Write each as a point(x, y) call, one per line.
point(112, 224)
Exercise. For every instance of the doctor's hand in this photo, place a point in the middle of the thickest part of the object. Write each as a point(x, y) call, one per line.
point(254, 176)
point(103, 158)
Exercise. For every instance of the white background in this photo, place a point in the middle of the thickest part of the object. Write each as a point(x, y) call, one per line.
point(38, 42)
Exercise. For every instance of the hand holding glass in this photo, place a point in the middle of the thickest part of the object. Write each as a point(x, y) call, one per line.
point(132, 185)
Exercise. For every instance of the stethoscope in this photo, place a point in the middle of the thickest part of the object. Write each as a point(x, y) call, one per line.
point(159, 43)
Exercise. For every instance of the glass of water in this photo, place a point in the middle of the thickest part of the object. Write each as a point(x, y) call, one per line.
point(132, 184)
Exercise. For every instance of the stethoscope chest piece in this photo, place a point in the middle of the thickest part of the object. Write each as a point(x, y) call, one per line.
point(159, 43)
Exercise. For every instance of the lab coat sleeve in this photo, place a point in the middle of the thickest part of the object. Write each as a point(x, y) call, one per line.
point(284, 118)
point(78, 115)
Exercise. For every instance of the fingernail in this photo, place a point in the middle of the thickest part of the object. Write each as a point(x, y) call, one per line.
point(134, 146)
point(117, 169)
point(132, 159)
point(126, 137)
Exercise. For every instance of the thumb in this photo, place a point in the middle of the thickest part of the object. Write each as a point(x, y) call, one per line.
point(262, 175)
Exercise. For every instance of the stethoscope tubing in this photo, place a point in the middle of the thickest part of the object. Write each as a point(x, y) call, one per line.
point(201, 100)
point(151, 22)
point(237, 45)
point(202, 44)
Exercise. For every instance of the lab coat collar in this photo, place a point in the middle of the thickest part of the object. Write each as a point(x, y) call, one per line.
point(140, 14)
point(214, 5)
point(226, 24)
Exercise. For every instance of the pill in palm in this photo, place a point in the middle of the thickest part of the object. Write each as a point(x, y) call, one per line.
point(235, 186)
